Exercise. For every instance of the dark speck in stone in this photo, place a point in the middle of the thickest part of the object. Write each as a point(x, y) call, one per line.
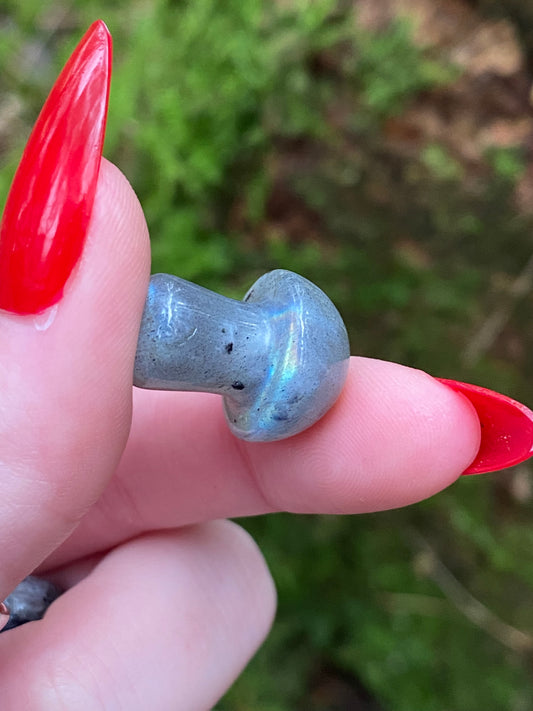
point(237, 385)
point(229, 347)
point(280, 415)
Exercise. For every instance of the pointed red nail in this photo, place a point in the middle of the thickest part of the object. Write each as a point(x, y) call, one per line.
point(50, 202)
point(506, 428)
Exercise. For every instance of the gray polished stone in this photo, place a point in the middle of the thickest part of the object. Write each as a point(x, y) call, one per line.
point(30, 600)
point(279, 357)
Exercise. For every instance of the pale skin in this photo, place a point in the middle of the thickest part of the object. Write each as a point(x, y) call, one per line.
point(123, 496)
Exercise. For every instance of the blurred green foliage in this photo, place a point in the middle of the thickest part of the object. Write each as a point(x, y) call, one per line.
point(390, 69)
point(254, 134)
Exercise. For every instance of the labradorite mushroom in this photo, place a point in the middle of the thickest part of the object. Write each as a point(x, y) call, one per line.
point(279, 358)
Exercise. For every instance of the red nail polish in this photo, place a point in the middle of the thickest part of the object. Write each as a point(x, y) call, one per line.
point(506, 428)
point(49, 205)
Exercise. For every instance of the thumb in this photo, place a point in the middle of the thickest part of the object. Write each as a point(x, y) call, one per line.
point(65, 383)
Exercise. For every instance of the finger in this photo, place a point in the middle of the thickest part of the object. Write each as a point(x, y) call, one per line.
point(396, 436)
point(66, 390)
point(166, 621)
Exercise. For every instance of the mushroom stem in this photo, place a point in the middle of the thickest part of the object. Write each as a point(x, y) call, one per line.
point(194, 339)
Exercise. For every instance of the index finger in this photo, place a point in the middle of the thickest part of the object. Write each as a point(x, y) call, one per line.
point(395, 436)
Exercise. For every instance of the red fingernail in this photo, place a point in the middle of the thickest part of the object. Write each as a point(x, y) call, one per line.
point(506, 428)
point(50, 202)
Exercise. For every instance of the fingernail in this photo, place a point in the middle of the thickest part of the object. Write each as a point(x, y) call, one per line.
point(49, 205)
point(506, 428)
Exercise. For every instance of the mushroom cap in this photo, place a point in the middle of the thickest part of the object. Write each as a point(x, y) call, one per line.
point(306, 364)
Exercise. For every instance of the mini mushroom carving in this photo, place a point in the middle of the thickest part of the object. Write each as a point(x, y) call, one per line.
point(279, 358)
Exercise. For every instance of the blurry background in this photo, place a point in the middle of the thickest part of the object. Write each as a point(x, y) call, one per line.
point(384, 149)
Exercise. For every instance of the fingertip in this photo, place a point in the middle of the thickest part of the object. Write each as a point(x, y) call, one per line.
point(256, 582)
point(110, 294)
point(407, 436)
point(117, 216)
point(395, 436)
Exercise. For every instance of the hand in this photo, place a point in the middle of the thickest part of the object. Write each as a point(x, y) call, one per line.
point(165, 605)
